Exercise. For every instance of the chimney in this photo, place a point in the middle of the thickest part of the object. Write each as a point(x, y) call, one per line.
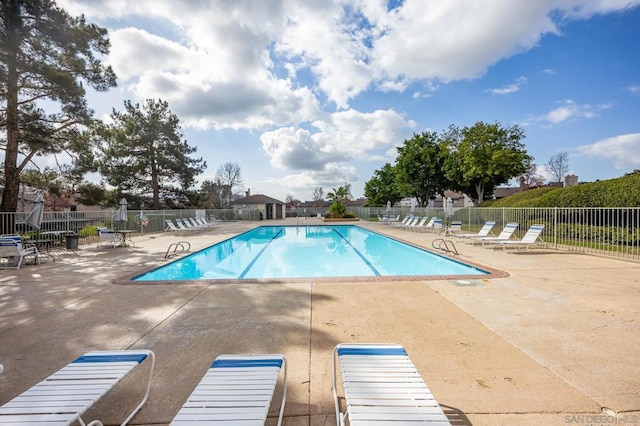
point(248, 192)
point(570, 180)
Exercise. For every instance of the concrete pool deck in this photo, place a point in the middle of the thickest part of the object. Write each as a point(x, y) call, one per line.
point(557, 341)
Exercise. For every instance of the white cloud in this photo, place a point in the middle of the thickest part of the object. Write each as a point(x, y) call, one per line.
point(331, 176)
point(349, 46)
point(346, 135)
point(455, 40)
point(298, 149)
point(511, 88)
point(569, 110)
point(546, 173)
point(588, 8)
point(419, 95)
point(317, 37)
point(622, 149)
point(635, 89)
point(548, 71)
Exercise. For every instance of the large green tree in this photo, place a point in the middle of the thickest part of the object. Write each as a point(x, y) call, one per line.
point(483, 156)
point(382, 187)
point(419, 168)
point(143, 151)
point(47, 58)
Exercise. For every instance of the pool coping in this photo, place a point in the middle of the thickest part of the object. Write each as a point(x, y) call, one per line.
point(491, 273)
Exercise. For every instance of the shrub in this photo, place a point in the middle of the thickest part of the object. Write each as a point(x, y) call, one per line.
point(619, 192)
point(337, 209)
point(88, 231)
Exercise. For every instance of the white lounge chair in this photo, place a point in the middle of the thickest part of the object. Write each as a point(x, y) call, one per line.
point(405, 221)
point(428, 226)
point(171, 227)
point(12, 252)
point(109, 237)
point(505, 234)
point(192, 223)
point(455, 228)
point(438, 226)
point(237, 389)
point(201, 221)
point(63, 397)
point(529, 239)
point(393, 219)
point(415, 226)
point(411, 222)
point(382, 386)
point(185, 226)
point(483, 232)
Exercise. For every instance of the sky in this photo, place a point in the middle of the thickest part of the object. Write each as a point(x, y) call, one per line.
point(304, 94)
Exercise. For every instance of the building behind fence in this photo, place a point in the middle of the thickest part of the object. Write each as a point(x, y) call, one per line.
point(613, 232)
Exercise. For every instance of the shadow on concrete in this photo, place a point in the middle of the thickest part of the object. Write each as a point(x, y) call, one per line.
point(455, 416)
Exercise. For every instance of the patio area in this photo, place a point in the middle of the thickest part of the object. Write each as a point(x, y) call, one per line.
point(555, 342)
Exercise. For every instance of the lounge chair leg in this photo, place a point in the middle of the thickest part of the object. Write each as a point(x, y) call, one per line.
point(146, 394)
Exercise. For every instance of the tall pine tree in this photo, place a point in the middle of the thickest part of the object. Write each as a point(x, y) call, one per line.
point(143, 152)
point(46, 56)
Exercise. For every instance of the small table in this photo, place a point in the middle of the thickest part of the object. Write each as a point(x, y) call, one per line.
point(126, 235)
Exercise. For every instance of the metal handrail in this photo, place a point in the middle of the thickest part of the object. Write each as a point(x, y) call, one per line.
point(179, 245)
point(445, 245)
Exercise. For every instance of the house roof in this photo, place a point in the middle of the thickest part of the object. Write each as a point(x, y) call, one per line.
point(505, 191)
point(357, 203)
point(257, 199)
point(453, 195)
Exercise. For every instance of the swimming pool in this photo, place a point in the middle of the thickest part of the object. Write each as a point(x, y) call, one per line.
point(274, 252)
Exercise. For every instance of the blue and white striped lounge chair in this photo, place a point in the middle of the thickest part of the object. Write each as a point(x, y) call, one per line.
point(529, 239)
point(505, 234)
point(438, 225)
point(63, 397)
point(455, 228)
point(237, 389)
point(382, 386)
point(483, 232)
point(14, 252)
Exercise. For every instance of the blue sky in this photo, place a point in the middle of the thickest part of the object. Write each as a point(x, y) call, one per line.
point(305, 94)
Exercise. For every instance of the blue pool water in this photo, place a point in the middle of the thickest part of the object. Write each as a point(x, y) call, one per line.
point(308, 251)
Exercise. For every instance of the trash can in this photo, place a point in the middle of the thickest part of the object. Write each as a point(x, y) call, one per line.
point(72, 241)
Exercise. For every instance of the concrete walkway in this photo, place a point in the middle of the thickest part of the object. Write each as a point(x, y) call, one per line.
point(555, 343)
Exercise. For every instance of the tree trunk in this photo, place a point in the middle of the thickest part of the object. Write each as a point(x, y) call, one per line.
point(480, 192)
point(11, 173)
point(154, 185)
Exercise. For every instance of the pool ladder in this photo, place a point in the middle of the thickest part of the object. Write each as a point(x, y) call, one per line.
point(444, 245)
point(183, 246)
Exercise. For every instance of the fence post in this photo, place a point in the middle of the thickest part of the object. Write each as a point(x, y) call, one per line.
point(555, 227)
